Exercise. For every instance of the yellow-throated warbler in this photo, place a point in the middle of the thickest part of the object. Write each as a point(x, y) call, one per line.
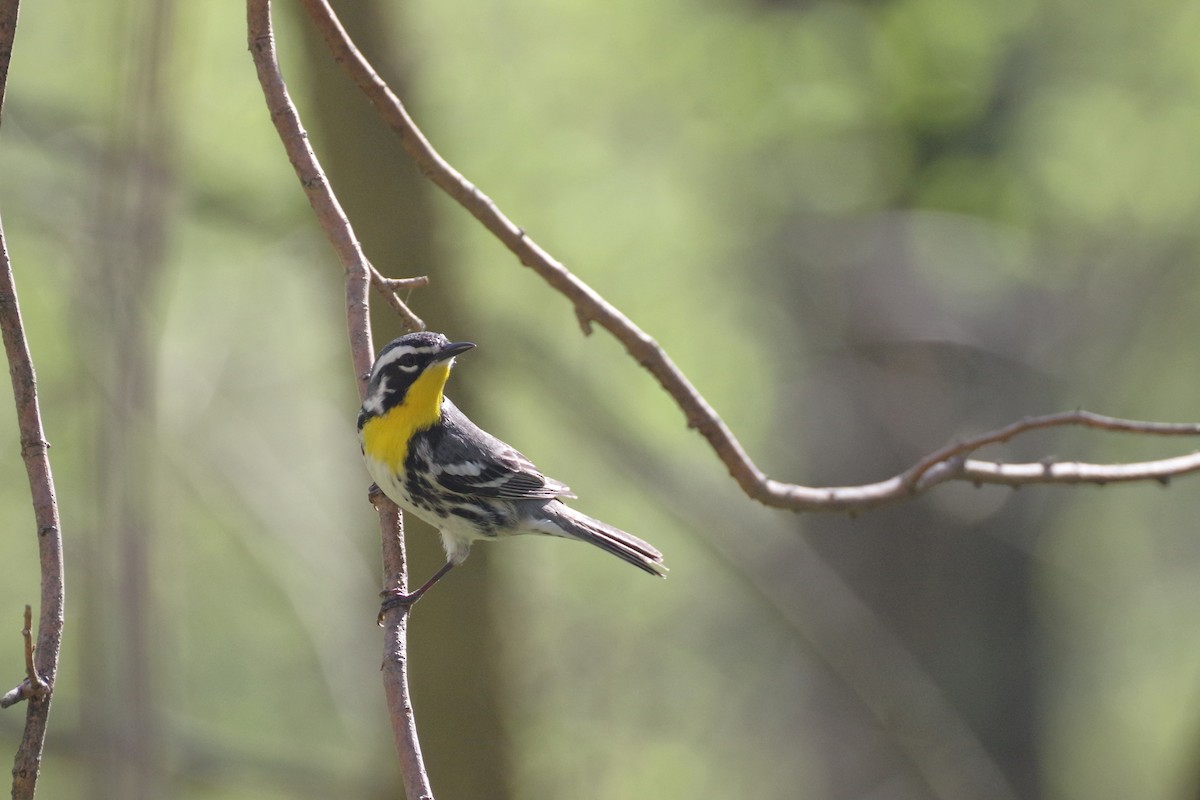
point(432, 461)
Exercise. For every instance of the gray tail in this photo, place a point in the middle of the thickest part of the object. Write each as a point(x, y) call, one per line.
point(562, 520)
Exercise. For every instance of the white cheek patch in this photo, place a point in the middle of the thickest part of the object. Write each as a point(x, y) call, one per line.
point(374, 401)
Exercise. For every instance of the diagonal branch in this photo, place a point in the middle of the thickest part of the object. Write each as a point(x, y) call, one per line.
point(359, 276)
point(949, 463)
point(325, 205)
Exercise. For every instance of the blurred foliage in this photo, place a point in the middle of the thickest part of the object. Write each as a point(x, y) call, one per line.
point(862, 228)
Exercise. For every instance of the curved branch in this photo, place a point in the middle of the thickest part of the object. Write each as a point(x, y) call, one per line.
point(1086, 419)
point(949, 463)
point(359, 276)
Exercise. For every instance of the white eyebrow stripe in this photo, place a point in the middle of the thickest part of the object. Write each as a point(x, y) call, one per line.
point(396, 353)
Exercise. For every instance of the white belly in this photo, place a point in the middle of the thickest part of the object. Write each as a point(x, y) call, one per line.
point(457, 533)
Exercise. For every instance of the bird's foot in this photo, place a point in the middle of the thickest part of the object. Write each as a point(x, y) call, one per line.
point(394, 598)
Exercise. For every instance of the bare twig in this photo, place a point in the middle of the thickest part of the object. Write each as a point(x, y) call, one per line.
point(950, 463)
point(31, 674)
point(13, 696)
point(42, 660)
point(865, 655)
point(390, 288)
point(33, 685)
point(320, 195)
point(398, 284)
point(359, 276)
point(1084, 419)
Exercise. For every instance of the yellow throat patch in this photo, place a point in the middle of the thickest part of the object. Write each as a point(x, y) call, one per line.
point(385, 438)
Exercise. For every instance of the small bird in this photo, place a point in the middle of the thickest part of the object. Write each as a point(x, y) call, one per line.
point(429, 459)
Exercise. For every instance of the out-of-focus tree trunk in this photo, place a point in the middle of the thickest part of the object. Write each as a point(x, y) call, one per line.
point(122, 266)
point(949, 574)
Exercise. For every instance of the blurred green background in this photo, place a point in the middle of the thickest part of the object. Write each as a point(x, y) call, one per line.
point(862, 228)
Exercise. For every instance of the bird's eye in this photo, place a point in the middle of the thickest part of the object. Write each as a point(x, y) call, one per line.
point(407, 362)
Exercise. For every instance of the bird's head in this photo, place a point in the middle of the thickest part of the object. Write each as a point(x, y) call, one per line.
point(411, 369)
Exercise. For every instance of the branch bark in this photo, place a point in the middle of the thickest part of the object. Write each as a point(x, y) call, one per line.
point(39, 683)
point(41, 660)
point(8, 33)
point(360, 275)
point(949, 463)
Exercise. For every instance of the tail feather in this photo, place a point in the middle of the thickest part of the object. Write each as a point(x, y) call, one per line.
point(562, 520)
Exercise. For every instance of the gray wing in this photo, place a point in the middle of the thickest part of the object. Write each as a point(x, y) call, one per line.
point(473, 462)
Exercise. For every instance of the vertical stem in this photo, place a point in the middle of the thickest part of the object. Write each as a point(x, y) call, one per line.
point(341, 235)
point(395, 656)
point(34, 447)
point(34, 452)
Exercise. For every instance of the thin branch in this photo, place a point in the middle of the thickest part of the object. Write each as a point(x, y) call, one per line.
point(42, 659)
point(1085, 419)
point(14, 695)
point(330, 215)
point(359, 276)
point(865, 656)
point(34, 452)
point(389, 287)
point(946, 464)
point(395, 654)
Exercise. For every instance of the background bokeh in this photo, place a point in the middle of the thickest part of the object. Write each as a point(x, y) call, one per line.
point(862, 228)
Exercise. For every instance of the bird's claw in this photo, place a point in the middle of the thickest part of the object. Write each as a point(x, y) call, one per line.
point(394, 598)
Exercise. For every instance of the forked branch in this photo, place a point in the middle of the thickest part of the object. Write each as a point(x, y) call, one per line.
point(359, 276)
point(949, 463)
